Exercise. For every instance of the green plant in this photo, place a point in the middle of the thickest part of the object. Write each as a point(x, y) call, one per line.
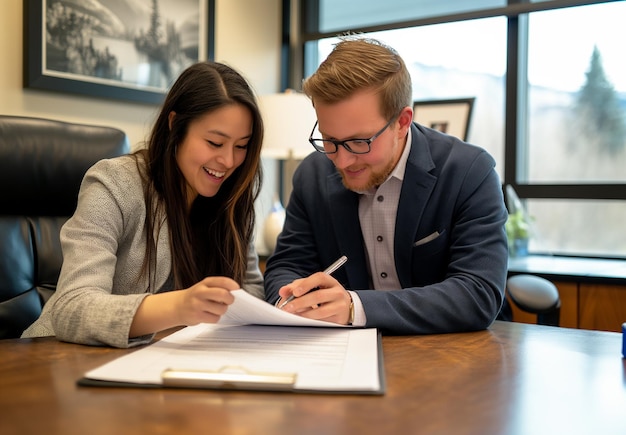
point(517, 226)
point(518, 232)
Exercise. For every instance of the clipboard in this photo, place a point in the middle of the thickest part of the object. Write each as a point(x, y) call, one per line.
point(229, 378)
point(361, 372)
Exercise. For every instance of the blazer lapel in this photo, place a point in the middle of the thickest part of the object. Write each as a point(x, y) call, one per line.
point(417, 187)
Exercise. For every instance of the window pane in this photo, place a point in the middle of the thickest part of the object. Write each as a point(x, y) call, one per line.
point(577, 227)
point(442, 67)
point(577, 95)
point(348, 14)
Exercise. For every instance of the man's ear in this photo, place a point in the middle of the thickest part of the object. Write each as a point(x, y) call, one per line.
point(170, 119)
point(405, 119)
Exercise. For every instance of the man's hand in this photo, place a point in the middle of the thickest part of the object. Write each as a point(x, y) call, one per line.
point(319, 297)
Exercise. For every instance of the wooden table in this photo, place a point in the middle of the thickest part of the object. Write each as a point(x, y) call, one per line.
point(511, 379)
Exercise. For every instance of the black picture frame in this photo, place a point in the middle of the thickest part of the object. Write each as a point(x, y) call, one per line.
point(37, 76)
point(448, 116)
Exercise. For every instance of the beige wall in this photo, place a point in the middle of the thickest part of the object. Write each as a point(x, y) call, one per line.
point(247, 37)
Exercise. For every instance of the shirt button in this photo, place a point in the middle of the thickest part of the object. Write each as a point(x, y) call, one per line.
point(380, 198)
point(383, 275)
point(379, 238)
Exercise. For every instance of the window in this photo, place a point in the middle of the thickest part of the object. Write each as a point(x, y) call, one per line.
point(555, 122)
point(591, 228)
point(576, 95)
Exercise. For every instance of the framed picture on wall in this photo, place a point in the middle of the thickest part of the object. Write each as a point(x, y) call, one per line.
point(121, 49)
point(448, 116)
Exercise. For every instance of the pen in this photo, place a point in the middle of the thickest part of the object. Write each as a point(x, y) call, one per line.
point(329, 271)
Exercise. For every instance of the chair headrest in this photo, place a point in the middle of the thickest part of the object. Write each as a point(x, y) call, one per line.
point(43, 161)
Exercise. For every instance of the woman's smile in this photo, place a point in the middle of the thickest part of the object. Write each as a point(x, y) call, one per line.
point(215, 175)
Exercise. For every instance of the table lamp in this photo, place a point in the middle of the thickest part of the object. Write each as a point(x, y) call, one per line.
point(288, 118)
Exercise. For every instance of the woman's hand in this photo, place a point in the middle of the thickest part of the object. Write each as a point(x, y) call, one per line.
point(204, 302)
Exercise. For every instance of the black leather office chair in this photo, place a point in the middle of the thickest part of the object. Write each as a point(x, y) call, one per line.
point(42, 163)
point(535, 295)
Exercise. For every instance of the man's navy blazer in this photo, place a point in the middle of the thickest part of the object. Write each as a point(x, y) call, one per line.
point(454, 282)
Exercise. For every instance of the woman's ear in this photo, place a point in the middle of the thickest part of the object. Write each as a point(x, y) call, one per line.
point(170, 119)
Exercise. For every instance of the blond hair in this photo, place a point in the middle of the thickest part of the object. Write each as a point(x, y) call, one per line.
point(358, 63)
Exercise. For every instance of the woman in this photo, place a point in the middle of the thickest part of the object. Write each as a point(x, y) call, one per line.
point(160, 237)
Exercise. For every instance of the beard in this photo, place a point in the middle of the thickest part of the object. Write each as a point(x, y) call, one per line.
point(375, 179)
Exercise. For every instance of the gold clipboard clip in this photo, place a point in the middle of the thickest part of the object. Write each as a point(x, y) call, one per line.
point(228, 378)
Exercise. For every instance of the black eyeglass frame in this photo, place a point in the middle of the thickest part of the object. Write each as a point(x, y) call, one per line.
point(343, 143)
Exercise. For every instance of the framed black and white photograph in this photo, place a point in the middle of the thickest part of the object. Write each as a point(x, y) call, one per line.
point(448, 116)
point(129, 50)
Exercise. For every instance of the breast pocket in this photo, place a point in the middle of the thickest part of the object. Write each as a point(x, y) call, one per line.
point(431, 244)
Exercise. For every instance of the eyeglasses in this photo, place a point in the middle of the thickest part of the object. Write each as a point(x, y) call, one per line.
point(355, 146)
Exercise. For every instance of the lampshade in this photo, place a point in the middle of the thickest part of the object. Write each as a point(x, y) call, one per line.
point(288, 119)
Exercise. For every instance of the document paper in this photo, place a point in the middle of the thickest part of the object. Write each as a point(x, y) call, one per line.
point(323, 359)
point(249, 310)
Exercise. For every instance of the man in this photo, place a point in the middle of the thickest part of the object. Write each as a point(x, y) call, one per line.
point(419, 214)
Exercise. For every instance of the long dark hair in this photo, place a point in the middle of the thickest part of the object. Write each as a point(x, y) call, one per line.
point(213, 238)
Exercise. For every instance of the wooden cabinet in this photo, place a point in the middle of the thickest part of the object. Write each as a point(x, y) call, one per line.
point(586, 306)
point(568, 292)
point(602, 306)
